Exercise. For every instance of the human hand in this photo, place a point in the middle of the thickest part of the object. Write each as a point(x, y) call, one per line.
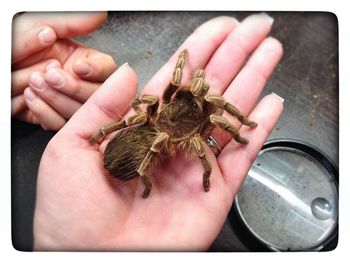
point(52, 75)
point(78, 208)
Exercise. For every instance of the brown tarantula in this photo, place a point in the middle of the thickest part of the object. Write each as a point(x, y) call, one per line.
point(183, 121)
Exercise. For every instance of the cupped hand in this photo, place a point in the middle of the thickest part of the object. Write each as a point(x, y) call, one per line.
point(79, 208)
point(52, 74)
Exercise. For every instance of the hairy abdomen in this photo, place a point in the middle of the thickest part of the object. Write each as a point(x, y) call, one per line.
point(125, 152)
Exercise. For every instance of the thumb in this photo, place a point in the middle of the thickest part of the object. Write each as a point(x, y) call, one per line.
point(109, 102)
point(33, 32)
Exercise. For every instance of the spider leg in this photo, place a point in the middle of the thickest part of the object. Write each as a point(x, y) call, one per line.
point(152, 102)
point(175, 82)
point(222, 103)
point(138, 119)
point(197, 146)
point(198, 86)
point(157, 145)
point(224, 124)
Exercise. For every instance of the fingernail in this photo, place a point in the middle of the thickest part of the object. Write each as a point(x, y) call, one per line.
point(30, 95)
point(53, 64)
point(277, 96)
point(266, 16)
point(124, 65)
point(47, 36)
point(36, 80)
point(82, 68)
point(55, 78)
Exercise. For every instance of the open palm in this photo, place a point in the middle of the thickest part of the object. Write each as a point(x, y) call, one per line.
point(79, 208)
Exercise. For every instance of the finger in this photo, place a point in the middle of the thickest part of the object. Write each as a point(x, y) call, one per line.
point(236, 159)
point(20, 78)
point(36, 31)
point(69, 85)
point(63, 104)
point(200, 45)
point(31, 41)
point(246, 88)
point(96, 67)
point(65, 24)
point(27, 116)
point(48, 118)
point(18, 105)
point(235, 49)
point(108, 103)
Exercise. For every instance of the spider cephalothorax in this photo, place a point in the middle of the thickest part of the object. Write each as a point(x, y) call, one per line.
point(183, 120)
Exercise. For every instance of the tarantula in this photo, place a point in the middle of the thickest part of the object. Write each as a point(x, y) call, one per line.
point(184, 120)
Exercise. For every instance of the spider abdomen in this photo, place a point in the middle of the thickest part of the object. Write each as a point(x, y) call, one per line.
point(125, 152)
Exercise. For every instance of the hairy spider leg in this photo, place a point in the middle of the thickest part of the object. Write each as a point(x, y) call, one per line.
point(197, 145)
point(151, 101)
point(175, 82)
point(221, 122)
point(138, 119)
point(222, 103)
point(159, 142)
point(198, 86)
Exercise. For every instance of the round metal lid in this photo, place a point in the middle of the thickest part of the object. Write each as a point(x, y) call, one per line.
point(289, 200)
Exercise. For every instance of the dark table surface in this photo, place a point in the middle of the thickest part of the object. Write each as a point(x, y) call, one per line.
point(307, 78)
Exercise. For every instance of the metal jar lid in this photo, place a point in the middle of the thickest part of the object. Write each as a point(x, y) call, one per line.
point(289, 199)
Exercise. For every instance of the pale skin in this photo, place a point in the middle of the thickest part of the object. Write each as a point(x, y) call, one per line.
point(53, 75)
point(78, 208)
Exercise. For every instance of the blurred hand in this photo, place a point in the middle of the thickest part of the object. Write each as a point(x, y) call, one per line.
point(78, 208)
point(53, 75)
